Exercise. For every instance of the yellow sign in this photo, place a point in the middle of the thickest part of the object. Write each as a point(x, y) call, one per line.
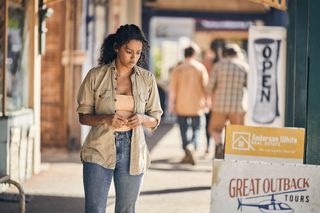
point(264, 142)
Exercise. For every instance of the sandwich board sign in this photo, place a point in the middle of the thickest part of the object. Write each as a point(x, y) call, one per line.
point(255, 187)
point(283, 145)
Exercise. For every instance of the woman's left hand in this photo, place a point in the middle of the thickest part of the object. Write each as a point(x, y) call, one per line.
point(135, 120)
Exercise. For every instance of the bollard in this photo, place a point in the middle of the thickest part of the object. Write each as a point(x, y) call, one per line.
point(6, 179)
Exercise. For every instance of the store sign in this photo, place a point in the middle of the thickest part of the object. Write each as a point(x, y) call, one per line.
point(279, 4)
point(264, 144)
point(252, 187)
point(208, 25)
point(171, 28)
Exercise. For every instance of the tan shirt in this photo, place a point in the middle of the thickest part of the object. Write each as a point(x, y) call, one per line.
point(124, 107)
point(227, 80)
point(187, 88)
point(97, 96)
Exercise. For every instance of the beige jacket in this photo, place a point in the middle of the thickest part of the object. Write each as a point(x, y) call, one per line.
point(187, 88)
point(97, 96)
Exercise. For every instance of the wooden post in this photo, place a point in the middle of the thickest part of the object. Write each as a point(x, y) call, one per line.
point(313, 63)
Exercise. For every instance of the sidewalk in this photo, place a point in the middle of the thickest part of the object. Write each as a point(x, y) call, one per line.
point(168, 186)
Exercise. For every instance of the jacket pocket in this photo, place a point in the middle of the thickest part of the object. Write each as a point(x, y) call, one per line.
point(103, 101)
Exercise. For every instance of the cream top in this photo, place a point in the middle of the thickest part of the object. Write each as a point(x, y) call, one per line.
point(124, 107)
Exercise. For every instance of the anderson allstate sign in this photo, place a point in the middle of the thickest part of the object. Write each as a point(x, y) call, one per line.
point(253, 187)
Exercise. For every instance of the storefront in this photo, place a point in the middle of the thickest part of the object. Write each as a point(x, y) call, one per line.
point(19, 67)
point(42, 64)
point(303, 58)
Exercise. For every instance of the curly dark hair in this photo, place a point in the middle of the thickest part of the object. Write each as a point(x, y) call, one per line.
point(124, 34)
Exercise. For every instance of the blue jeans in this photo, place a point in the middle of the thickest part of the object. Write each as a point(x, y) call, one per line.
point(208, 136)
point(97, 181)
point(184, 123)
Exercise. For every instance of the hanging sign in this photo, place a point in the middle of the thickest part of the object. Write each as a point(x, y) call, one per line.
point(266, 79)
point(209, 25)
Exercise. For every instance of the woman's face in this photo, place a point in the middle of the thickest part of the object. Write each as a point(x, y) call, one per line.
point(129, 53)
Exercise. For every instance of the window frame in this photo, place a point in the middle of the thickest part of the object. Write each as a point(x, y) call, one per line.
point(3, 49)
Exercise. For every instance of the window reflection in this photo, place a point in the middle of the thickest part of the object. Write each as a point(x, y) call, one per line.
point(16, 66)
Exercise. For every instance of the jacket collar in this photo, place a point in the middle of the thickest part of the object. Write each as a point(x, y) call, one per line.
point(136, 69)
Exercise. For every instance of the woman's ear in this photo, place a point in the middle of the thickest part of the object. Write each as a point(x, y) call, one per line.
point(115, 47)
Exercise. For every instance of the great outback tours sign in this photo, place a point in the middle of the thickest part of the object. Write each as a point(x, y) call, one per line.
point(243, 186)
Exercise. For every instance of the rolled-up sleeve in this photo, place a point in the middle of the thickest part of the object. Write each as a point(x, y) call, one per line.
point(153, 106)
point(86, 95)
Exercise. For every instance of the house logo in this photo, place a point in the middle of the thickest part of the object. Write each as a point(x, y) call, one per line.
point(241, 141)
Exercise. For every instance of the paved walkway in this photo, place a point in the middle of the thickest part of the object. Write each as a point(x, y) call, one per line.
point(168, 186)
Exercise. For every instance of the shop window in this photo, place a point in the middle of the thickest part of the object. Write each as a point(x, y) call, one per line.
point(2, 50)
point(13, 78)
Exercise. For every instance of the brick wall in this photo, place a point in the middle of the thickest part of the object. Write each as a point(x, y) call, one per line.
point(53, 124)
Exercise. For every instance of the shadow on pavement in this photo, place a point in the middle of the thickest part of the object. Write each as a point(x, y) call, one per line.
point(178, 190)
point(173, 166)
point(45, 204)
point(181, 169)
point(154, 137)
point(54, 204)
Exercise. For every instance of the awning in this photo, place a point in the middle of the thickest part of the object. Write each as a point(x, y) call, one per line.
point(51, 1)
point(232, 6)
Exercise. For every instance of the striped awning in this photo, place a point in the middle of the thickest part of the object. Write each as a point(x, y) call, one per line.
point(279, 4)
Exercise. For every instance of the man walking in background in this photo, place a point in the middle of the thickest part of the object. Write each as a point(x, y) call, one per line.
point(227, 81)
point(188, 100)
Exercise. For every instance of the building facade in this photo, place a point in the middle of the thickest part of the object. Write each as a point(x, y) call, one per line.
point(46, 49)
point(20, 89)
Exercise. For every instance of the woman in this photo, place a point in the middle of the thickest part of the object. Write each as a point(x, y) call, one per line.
point(118, 98)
